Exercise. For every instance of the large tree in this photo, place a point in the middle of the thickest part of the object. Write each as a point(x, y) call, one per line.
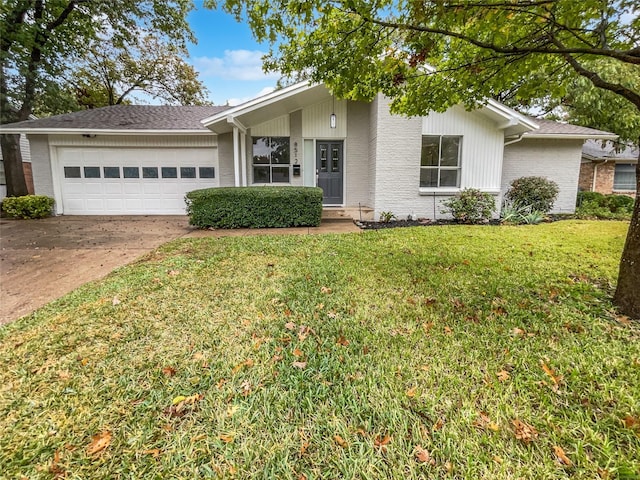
point(40, 40)
point(428, 55)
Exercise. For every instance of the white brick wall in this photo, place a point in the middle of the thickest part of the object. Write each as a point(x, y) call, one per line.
point(556, 159)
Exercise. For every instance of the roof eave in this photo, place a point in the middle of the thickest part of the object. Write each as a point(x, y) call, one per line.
point(572, 136)
point(103, 131)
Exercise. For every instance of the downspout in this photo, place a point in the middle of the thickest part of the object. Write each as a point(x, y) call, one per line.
point(516, 140)
point(595, 174)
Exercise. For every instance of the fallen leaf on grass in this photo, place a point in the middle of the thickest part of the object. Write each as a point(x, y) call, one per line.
point(247, 363)
point(303, 332)
point(423, 456)
point(55, 468)
point(290, 326)
point(556, 379)
point(381, 443)
point(64, 374)
point(99, 442)
point(340, 441)
point(304, 447)
point(154, 452)
point(503, 375)
point(173, 273)
point(411, 392)
point(485, 423)
point(342, 341)
point(438, 425)
point(169, 371)
point(226, 438)
point(181, 403)
point(518, 332)
point(605, 474)
point(300, 365)
point(447, 330)
point(497, 459)
point(561, 456)
point(525, 432)
point(325, 290)
point(297, 352)
point(115, 301)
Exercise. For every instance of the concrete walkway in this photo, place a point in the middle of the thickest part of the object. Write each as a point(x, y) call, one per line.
point(41, 260)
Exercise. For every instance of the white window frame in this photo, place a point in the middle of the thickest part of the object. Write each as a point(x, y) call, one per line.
point(624, 188)
point(270, 165)
point(439, 167)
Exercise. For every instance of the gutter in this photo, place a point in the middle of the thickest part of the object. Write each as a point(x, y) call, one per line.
point(78, 131)
point(516, 140)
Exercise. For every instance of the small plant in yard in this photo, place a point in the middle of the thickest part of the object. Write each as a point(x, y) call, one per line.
point(386, 217)
point(28, 206)
point(513, 214)
point(537, 193)
point(470, 206)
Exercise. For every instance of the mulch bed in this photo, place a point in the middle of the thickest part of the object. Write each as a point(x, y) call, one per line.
point(424, 222)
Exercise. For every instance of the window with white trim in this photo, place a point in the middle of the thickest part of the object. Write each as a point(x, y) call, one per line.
point(270, 159)
point(440, 161)
point(624, 177)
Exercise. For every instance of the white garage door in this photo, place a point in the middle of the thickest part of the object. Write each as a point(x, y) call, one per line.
point(133, 181)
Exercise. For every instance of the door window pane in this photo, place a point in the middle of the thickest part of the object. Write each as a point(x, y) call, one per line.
point(207, 172)
point(131, 172)
point(187, 172)
point(111, 172)
point(71, 172)
point(169, 172)
point(91, 172)
point(335, 160)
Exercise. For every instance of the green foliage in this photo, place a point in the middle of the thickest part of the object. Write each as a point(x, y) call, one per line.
point(515, 215)
point(386, 217)
point(28, 206)
point(255, 207)
point(610, 207)
point(470, 206)
point(535, 193)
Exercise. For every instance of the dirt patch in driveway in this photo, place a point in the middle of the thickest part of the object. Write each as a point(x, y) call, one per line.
point(41, 260)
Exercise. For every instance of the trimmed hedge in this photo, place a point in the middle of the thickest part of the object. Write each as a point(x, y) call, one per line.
point(597, 205)
point(28, 206)
point(255, 207)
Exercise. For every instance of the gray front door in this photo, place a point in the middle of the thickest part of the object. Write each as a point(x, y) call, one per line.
point(329, 167)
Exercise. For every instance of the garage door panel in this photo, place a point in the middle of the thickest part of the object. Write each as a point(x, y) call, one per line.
point(137, 196)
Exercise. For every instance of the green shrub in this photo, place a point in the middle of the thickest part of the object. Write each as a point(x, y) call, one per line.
point(470, 206)
point(386, 217)
point(255, 207)
point(513, 214)
point(28, 206)
point(597, 205)
point(537, 193)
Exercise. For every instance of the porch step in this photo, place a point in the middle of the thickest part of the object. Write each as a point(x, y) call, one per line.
point(347, 214)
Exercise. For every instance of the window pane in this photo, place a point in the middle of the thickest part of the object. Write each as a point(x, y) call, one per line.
point(280, 174)
point(187, 172)
point(111, 172)
point(450, 149)
point(149, 172)
point(449, 178)
point(323, 159)
point(71, 172)
point(131, 172)
point(624, 177)
point(280, 150)
point(335, 160)
point(169, 172)
point(430, 151)
point(261, 175)
point(261, 150)
point(91, 172)
point(207, 172)
point(428, 177)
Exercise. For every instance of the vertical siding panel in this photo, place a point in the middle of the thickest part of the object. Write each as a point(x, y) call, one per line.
point(315, 120)
point(278, 127)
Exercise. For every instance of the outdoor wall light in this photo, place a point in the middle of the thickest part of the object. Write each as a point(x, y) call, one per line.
point(332, 120)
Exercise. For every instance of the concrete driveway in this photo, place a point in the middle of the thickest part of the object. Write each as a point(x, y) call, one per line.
point(41, 260)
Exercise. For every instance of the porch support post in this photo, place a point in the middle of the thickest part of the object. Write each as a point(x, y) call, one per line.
point(243, 158)
point(236, 156)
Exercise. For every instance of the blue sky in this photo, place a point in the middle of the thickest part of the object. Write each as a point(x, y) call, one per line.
point(227, 57)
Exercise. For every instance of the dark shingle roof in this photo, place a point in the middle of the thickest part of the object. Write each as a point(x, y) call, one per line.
point(550, 127)
point(128, 117)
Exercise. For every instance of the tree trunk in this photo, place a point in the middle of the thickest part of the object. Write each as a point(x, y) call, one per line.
point(627, 296)
point(12, 158)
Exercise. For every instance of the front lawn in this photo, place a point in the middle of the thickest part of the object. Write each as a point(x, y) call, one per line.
point(437, 352)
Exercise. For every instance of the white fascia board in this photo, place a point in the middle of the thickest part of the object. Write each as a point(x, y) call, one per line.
point(78, 131)
point(256, 103)
point(510, 115)
point(571, 136)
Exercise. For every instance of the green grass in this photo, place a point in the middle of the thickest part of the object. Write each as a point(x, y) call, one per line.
point(407, 331)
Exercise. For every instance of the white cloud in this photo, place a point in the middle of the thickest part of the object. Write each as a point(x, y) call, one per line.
point(238, 101)
point(242, 65)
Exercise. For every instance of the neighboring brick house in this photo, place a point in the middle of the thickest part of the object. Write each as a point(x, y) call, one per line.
point(134, 160)
point(608, 168)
